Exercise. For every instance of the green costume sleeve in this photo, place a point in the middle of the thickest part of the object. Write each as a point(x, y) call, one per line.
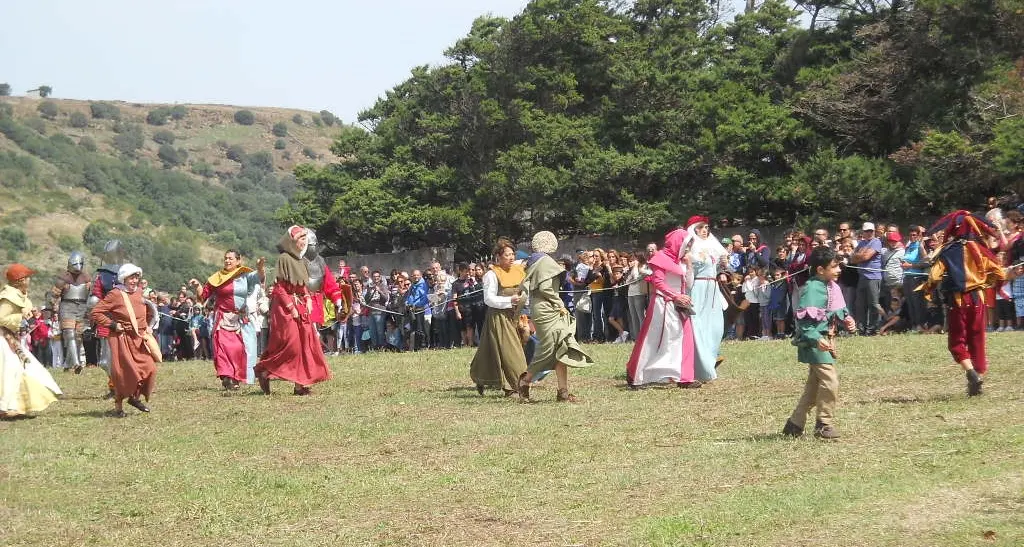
point(811, 315)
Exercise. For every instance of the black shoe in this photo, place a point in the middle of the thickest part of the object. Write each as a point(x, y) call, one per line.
point(689, 385)
point(138, 404)
point(264, 384)
point(480, 389)
point(974, 382)
point(225, 382)
point(719, 361)
point(792, 430)
point(78, 369)
point(116, 414)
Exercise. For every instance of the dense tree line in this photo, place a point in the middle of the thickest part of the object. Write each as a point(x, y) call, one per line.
point(624, 117)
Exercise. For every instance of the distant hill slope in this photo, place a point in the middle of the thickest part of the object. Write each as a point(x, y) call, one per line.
point(73, 173)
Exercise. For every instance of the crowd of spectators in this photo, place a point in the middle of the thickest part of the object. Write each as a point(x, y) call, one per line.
point(882, 266)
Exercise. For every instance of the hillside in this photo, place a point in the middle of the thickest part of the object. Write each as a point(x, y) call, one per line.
point(73, 173)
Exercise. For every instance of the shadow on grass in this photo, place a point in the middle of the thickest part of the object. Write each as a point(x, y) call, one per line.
point(104, 413)
point(906, 400)
point(455, 389)
point(760, 438)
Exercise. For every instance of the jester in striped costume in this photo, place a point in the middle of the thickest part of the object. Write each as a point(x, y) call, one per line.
point(963, 268)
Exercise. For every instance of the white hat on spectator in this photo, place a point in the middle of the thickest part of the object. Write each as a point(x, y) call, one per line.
point(868, 226)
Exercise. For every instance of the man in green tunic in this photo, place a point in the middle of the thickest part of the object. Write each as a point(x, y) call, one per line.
point(557, 348)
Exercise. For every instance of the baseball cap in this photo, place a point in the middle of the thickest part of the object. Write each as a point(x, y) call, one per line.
point(868, 226)
point(894, 236)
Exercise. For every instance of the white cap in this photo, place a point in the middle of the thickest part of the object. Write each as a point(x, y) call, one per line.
point(126, 271)
point(868, 226)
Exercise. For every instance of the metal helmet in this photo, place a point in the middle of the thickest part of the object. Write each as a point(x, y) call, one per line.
point(76, 262)
point(312, 250)
point(113, 252)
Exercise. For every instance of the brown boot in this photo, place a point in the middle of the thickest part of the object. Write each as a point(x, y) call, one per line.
point(825, 431)
point(264, 383)
point(565, 397)
point(524, 387)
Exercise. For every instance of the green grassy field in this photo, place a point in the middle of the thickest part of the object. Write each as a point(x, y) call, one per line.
point(400, 450)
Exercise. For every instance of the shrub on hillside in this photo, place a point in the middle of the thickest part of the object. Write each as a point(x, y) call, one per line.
point(259, 162)
point(5, 89)
point(158, 116)
point(48, 110)
point(104, 111)
point(178, 112)
point(309, 153)
point(36, 124)
point(317, 121)
point(236, 152)
point(297, 119)
point(245, 117)
point(280, 144)
point(88, 143)
point(129, 139)
point(203, 169)
point(163, 136)
point(327, 117)
point(62, 139)
point(286, 155)
point(169, 156)
point(280, 129)
point(13, 238)
point(79, 120)
point(67, 243)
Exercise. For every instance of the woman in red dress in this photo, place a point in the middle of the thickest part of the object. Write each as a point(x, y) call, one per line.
point(293, 352)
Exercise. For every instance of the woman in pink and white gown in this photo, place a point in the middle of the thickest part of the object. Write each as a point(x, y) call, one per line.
point(664, 348)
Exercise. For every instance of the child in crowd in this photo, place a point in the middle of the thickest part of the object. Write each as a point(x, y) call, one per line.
point(752, 294)
point(894, 319)
point(735, 313)
point(778, 303)
point(819, 313)
point(394, 337)
point(1018, 296)
point(764, 296)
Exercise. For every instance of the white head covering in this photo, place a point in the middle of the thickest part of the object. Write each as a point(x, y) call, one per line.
point(544, 242)
point(127, 270)
point(709, 250)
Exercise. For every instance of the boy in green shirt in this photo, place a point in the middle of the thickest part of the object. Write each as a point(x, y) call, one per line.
point(818, 315)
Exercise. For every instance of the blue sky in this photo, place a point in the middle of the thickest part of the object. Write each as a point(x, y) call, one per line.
point(313, 54)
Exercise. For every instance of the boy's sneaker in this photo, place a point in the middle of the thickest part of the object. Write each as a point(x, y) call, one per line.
point(827, 432)
point(792, 430)
point(974, 382)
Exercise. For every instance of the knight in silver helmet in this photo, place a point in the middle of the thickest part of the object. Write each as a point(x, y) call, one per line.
point(70, 296)
point(321, 280)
